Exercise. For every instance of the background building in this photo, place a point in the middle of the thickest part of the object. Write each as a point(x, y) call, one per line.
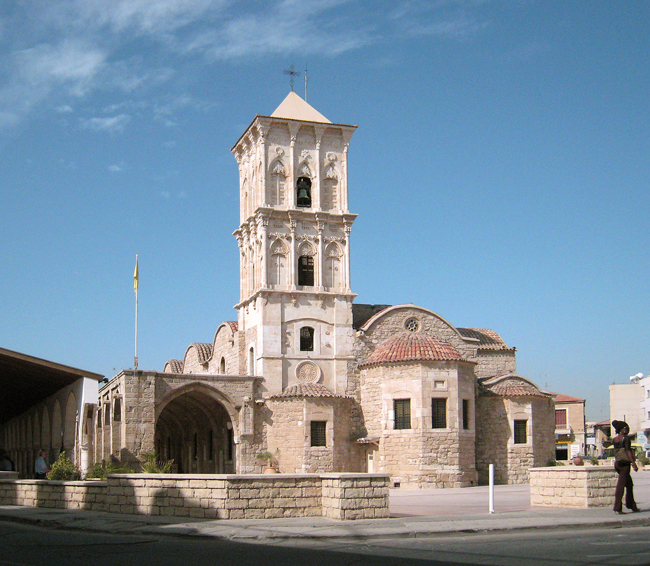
point(570, 429)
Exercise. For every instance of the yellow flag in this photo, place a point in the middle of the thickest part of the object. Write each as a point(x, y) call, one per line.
point(135, 275)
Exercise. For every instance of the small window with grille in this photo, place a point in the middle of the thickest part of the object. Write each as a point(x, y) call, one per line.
point(520, 432)
point(402, 409)
point(318, 429)
point(439, 413)
point(465, 414)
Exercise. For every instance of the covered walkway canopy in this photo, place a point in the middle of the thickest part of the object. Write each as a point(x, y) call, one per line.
point(26, 381)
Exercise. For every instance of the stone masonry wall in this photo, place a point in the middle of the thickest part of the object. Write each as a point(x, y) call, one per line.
point(495, 418)
point(338, 496)
point(225, 346)
point(573, 486)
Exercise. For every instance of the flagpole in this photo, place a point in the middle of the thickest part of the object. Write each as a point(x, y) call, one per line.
point(136, 277)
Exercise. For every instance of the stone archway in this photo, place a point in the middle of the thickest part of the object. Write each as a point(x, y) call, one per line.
point(195, 430)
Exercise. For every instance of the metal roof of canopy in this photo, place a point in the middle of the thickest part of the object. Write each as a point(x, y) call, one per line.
point(26, 381)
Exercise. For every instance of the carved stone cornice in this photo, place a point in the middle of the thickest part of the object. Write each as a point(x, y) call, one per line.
point(330, 239)
point(279, 236)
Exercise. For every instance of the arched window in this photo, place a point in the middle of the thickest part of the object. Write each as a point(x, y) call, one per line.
point(303, 192)
point(277, 271)
point(277, 184)
point(306, 339)
point(332, 268)
point(222, 366)
point(117, 410)
point(306, 271)
point(107, 414)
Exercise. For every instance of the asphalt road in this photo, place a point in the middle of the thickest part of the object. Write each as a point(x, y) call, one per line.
point(28, 545)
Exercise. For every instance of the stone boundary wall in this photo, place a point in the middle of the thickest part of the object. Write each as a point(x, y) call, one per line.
point(573, 486)
point(254, 496)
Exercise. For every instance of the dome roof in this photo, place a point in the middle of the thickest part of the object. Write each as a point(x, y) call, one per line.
point(413, 347)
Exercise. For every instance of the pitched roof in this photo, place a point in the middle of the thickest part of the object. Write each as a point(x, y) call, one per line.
point(487, 339)
point(295, 108)
point(175, 366)
point(203, 351)
point(234, 325)
point(561, 398)
point(306, 390)
point(510, 386)
point(362, 313)
point(412, 347)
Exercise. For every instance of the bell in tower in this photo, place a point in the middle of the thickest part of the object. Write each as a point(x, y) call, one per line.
point(304, 192)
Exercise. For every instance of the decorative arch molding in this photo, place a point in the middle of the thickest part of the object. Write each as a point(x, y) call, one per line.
point(278, 247)
point(225, 400)
point(333, 250)
point(277, 167)
point(373, 320)
point(330, 173)
point(306, 249)
point(304, 169)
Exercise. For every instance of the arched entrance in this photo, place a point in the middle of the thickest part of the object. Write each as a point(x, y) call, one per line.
point(195, 430)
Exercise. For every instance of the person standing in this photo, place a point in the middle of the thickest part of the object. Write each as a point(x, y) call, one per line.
point(40, 466)
point(623, 462)
point(6, 465)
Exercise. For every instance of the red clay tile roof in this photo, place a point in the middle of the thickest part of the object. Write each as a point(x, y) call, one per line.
point(175, 366)
point(510, 386)
point(412, 347)
point(203, 351)
point(306, 390)
point(561, 398)
point(487, 339)
point(234, 325)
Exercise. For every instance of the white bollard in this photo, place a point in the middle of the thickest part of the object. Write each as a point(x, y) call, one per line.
point(491, 492)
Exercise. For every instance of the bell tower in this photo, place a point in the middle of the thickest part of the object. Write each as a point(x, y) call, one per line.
point(295, 305)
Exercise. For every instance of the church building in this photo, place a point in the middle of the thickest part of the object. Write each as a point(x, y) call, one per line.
point(322, 382)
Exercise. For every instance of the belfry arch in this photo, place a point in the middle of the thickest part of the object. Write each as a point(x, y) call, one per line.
point(194, 427)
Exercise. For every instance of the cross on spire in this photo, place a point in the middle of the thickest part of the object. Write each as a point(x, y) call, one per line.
point(292, 73)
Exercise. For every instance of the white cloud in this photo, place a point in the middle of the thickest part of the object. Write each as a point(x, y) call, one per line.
point(151, 17)
point(112, 124)
point(73, 48)
point(73, 64)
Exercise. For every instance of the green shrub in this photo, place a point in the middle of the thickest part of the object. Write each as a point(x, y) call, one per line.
point(103, 469)
point(152, 465)
point(555, 463)
point(64, 469)
point(594, 461)
point(643, 459)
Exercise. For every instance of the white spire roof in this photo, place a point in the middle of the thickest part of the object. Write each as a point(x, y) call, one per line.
point(295, 108)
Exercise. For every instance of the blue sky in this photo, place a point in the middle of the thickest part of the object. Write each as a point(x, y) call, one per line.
point(500, 169)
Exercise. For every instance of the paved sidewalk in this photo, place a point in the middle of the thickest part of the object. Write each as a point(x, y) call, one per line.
point(413, 513)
